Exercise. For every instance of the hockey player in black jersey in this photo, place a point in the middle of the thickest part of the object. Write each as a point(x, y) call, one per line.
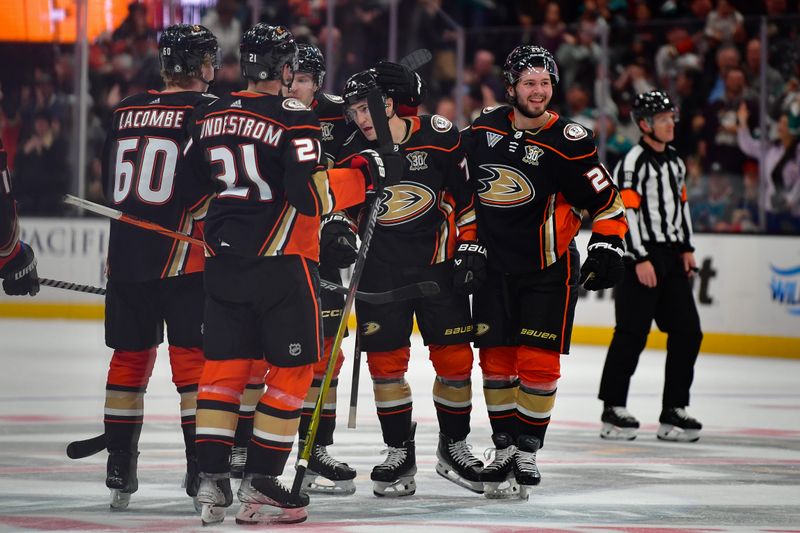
point(533, 171)
point(17, 261)
point(425, 223)
point(263, 153)
point(153, 280)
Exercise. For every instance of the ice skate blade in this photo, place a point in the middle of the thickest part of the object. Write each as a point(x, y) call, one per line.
point(672, 433)
point(211, 514)
point(525, 492)
point(250, 514)
point(612, 432)
point(451, 475)
point(119, 500)
point(342, 487)
point(500, 490)
point(403, 486)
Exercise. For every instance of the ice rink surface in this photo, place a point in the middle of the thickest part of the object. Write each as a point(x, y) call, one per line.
point(743, 474)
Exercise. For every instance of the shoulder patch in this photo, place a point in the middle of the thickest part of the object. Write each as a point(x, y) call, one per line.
point(334, 98)
point(440, 123)
point(293, 104)
point(575, 132)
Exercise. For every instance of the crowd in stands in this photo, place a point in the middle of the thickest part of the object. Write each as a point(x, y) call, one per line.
point(705, 53)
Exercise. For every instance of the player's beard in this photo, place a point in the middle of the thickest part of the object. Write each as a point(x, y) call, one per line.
point(523, 108)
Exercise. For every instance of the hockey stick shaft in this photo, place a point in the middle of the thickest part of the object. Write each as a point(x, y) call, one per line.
point(351, 417)
point(79, 449)
point(69, 286)
point(381, 125)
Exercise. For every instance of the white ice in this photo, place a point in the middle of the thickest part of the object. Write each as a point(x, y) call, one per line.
point(743, 474)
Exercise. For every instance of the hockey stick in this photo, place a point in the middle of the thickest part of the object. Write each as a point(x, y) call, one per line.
point(78, 449)
point(407, 292)
point(416, 59)
point(381, 124)
point(351, 417)
point(69, 286)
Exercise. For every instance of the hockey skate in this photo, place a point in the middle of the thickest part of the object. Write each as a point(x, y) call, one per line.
point(498, 476)
point(618, 424)
point(214, 495)
point(326, 475)
point(257, 491)
point(238, 460)
point(525, 471)
point(678, 426)
point(395, 476)
point(121, 478)
point(457, 464)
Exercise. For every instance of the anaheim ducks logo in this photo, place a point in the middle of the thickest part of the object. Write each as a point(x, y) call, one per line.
point(403, 202)
point(504, 187)
point(370, 328)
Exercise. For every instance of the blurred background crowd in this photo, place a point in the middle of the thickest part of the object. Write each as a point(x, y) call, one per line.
point(733, 66)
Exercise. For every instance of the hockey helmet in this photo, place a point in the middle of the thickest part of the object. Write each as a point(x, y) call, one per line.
point(310, 60)
point(358, 86)
point(183, 48)
point(526, 57)
point(265, 50)
point(647, 105)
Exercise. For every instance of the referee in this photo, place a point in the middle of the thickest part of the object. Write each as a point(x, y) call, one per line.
point(657, 282)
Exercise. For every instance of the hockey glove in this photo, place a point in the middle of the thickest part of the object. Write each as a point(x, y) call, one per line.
point(337, 242)
point(603, 267)
point(469, 267)
point(19, 275)
point(401, 84)
point(379, 170)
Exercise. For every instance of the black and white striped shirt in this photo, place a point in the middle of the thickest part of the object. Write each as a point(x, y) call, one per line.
point(653, 187)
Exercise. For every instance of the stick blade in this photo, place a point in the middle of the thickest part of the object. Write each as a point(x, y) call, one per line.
point(429, 288)
point(417, 59)
point(84, 448)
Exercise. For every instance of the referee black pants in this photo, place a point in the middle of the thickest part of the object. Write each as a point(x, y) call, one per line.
point(671, 304)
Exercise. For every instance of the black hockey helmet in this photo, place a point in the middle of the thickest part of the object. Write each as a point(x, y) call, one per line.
point(310, 60)
point(265, 50)
point(526, 57)
point(647, 105)
point(183, 48)
point(358, 86)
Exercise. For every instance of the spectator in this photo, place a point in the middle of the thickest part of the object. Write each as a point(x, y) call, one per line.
point(578, 107)
point(446, 107)
point(752, 70)
point(727, 57)
point(725, 24)
point(690, 111)
point(41, 175)
point(780, 190)
point(578, 58)
point(550, 34)
point(135, 25)
point(487, 78)
point(222, 22)
point(719, 144)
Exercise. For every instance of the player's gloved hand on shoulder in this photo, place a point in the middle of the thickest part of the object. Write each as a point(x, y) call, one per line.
point(337, 242)
point(401, 84)
point(469, 267)
point(380, 169)
point(19, 275)
point(603, 267)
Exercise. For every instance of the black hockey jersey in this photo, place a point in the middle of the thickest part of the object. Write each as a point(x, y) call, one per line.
point(421, 218)
point(141, 159)
point(264, 156)
point(531, 186)
point(334, 129)
point(9, 226)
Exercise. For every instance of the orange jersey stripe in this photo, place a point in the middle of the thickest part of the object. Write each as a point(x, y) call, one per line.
point(632, 199)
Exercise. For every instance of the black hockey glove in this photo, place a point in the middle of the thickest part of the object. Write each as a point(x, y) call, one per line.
point(379, 170)
point(19, 275)
point(603, 267)
point(469, 267)
point(401, 84)
point(337, 242)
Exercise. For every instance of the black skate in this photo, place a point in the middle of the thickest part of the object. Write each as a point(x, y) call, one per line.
point(498, 476)
point(678, 426)
point(326, 475)
point(525, 470)
point(457, 464)
point(258, 490)
point(214, 495)
point(191, 482)
point(618, 424)
point(238, 460)
point(395, 476)
point(121, 478)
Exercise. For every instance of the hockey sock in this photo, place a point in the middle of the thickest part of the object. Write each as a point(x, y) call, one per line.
point(394, 404)
point(499, 367)
point(247, 405)
point(128, 374)
point(452, 390)
point(277, 419)
point(539, 371)
point(221, 386)
point(187, 366)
